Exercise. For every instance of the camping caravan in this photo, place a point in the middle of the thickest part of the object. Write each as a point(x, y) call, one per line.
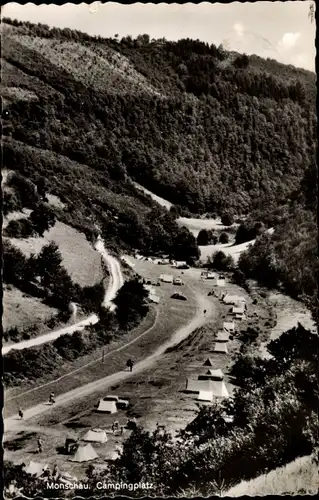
point(166, 278)
point(107, 406)
point(234, 299)
point(84, 454)
point(221, 347)
point(95, 436)
point(212, 375)
point(229, 326)
point(222, 336)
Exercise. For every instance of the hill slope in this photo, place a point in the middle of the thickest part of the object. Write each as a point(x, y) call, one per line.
point(208, 130)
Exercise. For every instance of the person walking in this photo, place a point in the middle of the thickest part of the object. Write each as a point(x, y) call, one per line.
point(130, 364)
point(20, 413)
point(40, 449)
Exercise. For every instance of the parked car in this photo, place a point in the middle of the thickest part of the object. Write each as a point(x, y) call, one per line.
point(178, 296)
point(177, 281)
point(183, 266)
point(120, 403)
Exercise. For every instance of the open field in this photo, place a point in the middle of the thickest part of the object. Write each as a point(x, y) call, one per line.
point(300, 477)
point(82, 262)
point(21, 310)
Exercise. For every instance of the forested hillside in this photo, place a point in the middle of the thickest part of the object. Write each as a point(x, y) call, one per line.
point(209, 130)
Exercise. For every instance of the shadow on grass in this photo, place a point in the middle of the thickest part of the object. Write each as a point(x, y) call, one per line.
point(19, 443)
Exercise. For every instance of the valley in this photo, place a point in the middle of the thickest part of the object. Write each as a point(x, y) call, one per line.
point(160, 265)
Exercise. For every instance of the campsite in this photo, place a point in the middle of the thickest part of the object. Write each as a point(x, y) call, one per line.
point(158, 394)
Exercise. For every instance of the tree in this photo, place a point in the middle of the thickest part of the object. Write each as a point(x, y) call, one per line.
point(49, 264)
point(224, 238)
point(222, 262)
point(42, 218)
point(203, 237)
point(227, 219)
point(131, 303)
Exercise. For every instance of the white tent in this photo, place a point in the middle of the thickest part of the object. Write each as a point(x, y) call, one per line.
point(95, 436)
point(229, 326)
point(221, 347)
point(107, 406)
point(221, 282)
point(222, 336)
point(219, 389)
point(205, 396)
point(193, 385)
point(209, 362)
point(84, 454)
point(215, 374)
point(35, 468)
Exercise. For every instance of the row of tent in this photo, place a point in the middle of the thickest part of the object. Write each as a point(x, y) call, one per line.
point(208, 385)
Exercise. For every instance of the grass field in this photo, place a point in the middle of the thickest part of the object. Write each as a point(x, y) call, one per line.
point(21, 310)
point(82, 262)
point(300, 477)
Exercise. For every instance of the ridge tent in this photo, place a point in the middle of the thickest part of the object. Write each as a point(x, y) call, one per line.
point(222, 336)
point(208, 362)
point(219, 389)
point(193, 385)
point(229, 326)
point(216, 387)
point(221, 347)
point(35, 468)
point(205, 396)
point(84, 454)
point(95, 436)
point(107, 406)
point(211, 375)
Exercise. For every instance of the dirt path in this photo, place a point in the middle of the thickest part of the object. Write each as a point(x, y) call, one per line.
point(116, 281)
point(203, 303)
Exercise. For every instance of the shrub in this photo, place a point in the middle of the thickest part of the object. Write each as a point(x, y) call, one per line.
point(20, 228)
point(227, 219)
point(224, 238)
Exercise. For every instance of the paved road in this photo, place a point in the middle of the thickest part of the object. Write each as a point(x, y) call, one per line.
point(116, 281)
point(203, 303)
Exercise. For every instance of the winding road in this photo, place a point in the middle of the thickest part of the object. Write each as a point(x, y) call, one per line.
point(116, 281)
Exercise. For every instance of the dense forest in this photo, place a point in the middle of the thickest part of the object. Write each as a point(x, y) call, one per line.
point(211, 131)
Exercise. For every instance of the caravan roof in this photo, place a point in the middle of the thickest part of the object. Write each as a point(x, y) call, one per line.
point(107, 406)
point(221, 347)
point(95, 436)
point(84, 454)
point(233, 299)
